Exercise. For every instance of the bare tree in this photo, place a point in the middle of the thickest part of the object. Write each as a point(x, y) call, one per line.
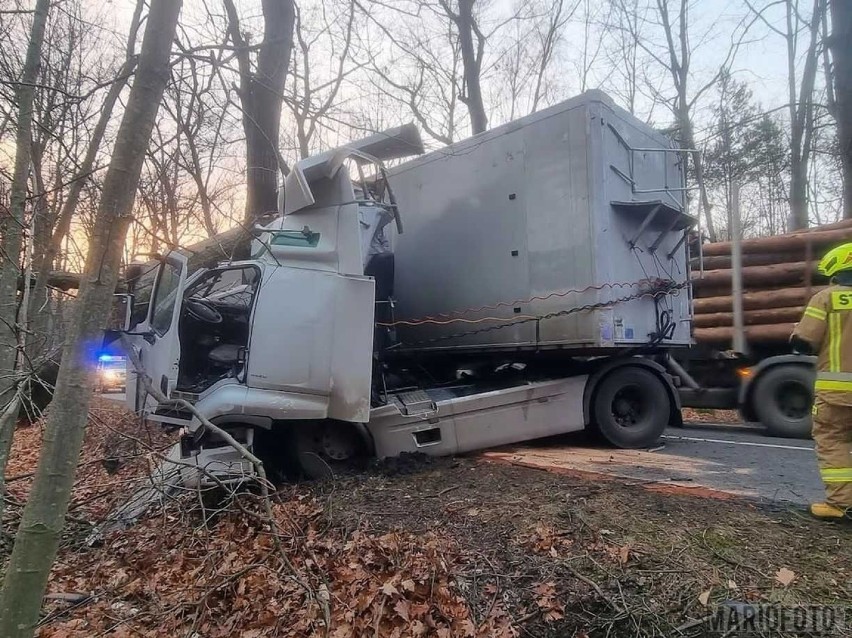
point(800, 96)
point(43, 517)
point(472, 47)
point(423, 70)
point(444, 47)
point(556, 19)
point(198, 108)
point(10, 233)
point(160, 189)
point(592, 42)
point(59, 224)
point(679, 52)
point(261, 93)
point(841, 36)
point(526, 54)
point(312, 96)
point(801, 107)
point(623, 52)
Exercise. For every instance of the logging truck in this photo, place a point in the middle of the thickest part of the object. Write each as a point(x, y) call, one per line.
point(760, 377)
point(541, 284)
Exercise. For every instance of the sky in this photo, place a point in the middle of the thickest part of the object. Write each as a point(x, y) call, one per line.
point(761, 60)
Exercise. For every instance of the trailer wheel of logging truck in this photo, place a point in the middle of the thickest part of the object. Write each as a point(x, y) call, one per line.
point(631, 404)
point(779, 393)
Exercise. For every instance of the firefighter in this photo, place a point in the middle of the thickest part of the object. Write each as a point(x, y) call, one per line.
point(826, 330)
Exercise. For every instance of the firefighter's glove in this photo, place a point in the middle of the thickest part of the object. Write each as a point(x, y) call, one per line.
point(800, 346)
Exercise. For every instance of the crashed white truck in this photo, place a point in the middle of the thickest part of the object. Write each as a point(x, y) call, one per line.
point(529, 281)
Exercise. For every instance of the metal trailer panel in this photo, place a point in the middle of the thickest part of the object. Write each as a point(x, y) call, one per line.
point(485, 419)
point(519, 223)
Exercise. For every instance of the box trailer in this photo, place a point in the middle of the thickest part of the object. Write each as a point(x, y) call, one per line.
point(574, 206)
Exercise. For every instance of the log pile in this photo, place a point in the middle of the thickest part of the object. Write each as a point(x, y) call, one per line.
point(779, 277)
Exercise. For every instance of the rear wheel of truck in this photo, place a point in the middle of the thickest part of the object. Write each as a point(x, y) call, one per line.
point(631, 408)
point(782, 399)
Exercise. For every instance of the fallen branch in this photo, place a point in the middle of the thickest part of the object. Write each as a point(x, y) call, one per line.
point(230, 440)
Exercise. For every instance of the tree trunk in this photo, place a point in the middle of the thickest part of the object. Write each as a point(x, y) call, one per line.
point(10, 233)
point(801, 113)
point(44, 515)
point(698, 166)
point(755, 334)
point(795, 242)
point(261, 94)
point(798, 190)
point(750, 317)
point(755, 276)
point(841, 52)
point(781, 298)
point(472, 62)
point(760, 259)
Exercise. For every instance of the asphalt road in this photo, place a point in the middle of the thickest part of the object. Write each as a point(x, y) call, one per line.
point(736, 460)
point(746, 461)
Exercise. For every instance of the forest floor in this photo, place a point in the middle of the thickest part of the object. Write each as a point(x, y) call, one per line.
point(417, 547)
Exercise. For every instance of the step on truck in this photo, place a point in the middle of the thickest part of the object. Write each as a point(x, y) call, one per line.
point(529, 281)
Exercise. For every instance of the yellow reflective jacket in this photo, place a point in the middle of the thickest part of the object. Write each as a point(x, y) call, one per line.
point(827, 325)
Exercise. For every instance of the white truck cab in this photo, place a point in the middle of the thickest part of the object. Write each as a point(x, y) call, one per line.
point(286, 335)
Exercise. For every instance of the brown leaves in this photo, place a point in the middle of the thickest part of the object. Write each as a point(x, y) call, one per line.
point(111, 434)
point(547, 540)
point(785, 576)
point(546, 599)
point(229, 580)
point(402, 609)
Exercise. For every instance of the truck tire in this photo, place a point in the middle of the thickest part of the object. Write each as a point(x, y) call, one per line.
point(631, 407)
point(324, 448)
point(782, 399)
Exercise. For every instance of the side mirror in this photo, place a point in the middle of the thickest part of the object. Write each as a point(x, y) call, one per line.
point(120, 313)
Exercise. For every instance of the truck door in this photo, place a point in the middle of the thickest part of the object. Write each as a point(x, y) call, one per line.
point(155, 339)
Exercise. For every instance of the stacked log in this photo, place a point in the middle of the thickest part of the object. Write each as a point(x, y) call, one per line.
point(779, 277)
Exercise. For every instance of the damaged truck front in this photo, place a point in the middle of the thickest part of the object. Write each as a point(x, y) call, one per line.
point(536, 290)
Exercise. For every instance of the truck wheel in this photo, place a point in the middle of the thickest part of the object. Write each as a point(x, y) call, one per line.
point(631, 408)
point(782, 400)
point(323, 448)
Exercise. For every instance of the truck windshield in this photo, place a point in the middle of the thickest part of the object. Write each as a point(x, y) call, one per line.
point(232, 287)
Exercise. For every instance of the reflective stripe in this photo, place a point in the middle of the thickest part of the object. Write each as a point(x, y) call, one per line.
point(815, 313)
point(836, 475)
point(837, 386)
point(834, 338)
point(835, 376)
point(838, 381)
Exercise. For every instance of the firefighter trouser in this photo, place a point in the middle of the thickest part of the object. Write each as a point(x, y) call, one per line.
point(832, 434)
